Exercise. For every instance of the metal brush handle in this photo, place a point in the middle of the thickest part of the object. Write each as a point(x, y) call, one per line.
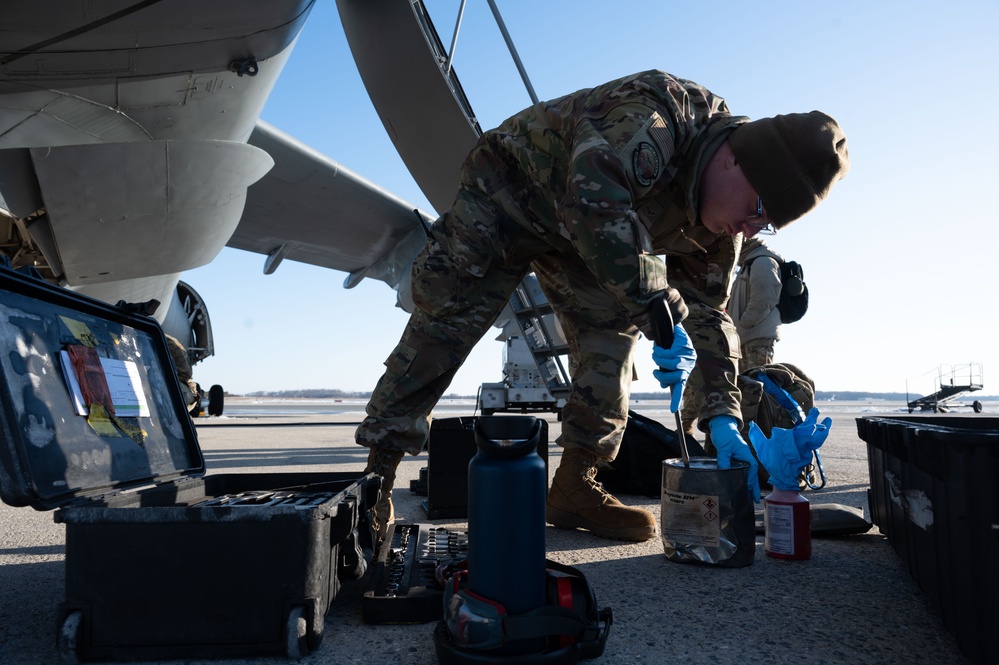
point(662, 329)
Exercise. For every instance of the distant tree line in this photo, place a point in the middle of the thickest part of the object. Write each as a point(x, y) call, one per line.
point(821, 395)
point(312, 393)
point(842, 395)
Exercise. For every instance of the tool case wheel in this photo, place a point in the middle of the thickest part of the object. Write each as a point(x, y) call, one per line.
point(297, 633)
point(69, 638)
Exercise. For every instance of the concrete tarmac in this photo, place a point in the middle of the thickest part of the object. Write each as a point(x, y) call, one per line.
point(853, 602)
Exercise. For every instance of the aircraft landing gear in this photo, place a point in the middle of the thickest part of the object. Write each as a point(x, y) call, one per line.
point(211, 404)
point(216, 400)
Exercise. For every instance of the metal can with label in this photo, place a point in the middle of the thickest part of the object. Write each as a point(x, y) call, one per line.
point(707, 515)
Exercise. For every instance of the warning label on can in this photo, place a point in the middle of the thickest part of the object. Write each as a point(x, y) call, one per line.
point(690, 519)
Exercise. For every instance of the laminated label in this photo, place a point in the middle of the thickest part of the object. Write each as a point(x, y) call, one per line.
point(690, 519)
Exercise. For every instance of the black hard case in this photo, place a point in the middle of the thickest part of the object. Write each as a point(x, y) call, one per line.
point(150, 574)
point(935, 495)
point(450, 448)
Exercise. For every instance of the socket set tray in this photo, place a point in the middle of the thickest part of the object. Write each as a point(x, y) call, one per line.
point(404, 586)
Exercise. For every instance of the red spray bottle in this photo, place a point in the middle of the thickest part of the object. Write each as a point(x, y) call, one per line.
point(787, 524)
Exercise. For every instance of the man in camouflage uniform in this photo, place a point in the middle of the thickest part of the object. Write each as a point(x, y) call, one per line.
point(188, 386)
point(586, 191)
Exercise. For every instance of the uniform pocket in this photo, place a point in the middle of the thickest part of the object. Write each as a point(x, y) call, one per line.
point(731, 337)
point(441, 287)
point(402, 357)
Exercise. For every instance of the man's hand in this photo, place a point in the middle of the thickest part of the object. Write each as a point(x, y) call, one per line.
point(730, 446)
point(675, 365)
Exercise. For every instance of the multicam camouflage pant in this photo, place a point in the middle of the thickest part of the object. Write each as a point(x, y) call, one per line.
point(693, 399)
point(461, 282)
point(757, 353)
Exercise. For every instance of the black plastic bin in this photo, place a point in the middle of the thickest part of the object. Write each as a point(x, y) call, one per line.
point(934, 495)
point(162, 561)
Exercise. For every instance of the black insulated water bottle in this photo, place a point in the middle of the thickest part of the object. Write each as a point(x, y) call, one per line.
point(507, 485)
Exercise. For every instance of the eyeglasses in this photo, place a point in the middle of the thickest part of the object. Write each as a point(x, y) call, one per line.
point(759, 223)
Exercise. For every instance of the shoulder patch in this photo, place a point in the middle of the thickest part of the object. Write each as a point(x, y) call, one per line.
point(661, 135)
point(645, 163)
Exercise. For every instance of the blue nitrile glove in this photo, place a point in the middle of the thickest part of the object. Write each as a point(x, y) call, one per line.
point(788, 451)
point(811, 434)
point(675, 365)
point(729, 444)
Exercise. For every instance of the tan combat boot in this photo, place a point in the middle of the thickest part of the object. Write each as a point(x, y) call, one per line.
point(384, 463)
point(577, 500)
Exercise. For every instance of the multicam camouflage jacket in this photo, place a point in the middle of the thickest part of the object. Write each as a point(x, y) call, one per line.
point(610, 174)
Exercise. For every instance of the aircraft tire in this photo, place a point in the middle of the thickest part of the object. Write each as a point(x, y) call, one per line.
point(977, 406)
point(216, 400)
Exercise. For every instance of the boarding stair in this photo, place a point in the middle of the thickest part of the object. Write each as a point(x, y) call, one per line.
point(950, 383)
point(534, 376)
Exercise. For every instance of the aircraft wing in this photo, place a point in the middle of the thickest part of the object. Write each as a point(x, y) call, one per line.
point(311, 209)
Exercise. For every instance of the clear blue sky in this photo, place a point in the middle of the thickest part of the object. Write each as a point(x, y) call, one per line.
point(900, 260)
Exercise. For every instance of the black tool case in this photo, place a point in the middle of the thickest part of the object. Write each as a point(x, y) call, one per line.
point(162, 561)
point(450, 448)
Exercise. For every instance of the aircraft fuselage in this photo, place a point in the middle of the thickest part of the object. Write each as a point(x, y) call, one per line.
point(123, 129)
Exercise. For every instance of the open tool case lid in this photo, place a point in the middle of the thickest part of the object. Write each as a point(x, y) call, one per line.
point(51, 456)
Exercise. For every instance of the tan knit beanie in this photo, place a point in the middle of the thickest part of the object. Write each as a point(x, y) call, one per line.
point(791, 161)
